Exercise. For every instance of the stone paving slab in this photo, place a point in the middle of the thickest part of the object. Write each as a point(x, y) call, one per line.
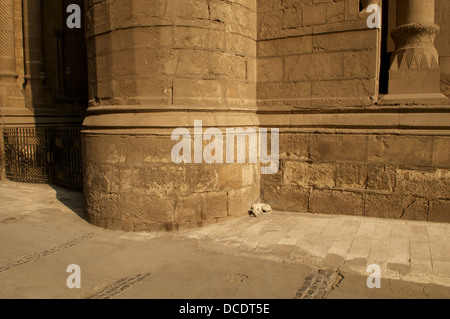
point(42, 229)
point(410, 250)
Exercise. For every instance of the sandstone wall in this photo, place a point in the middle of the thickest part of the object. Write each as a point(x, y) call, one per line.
point(307, 67)
point(317, 58)
point(359, 173)
point(315, 54)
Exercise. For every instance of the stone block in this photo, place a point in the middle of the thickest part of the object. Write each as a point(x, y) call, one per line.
point(349, 175)
point(188, 207)
point(294, 146)
point(292, 18)
point(335, 202)
point(396, 207)
point(214, 205)
point(270, 70)
point(439, 211)
point(198, 92)
point(431, 184)
point(380, 177)
point(230, 176)
point(142, 210)
point(228, 66)
point(202, 177)
point(305, 174)
point(314, 67)
point(199, 38)
point(286, 198)
point(270, 24)
point(285, 46)
point(314, 15)
point(237, 19)
point(154, 179)
point(241, 200)
point(187, 8)
point(326, 147)
point(335, 11)
point(345, 41)
point(441, 152)
point(240, 45)
point(343, 88)
point(283, 93)
point(238, 93)
point(103, 178)
point(353, 147)
point(360, 64)
point(401, 150)
point(102, 204)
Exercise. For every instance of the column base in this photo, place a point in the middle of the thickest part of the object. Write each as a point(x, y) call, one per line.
point(415, 99)
point(132, 183)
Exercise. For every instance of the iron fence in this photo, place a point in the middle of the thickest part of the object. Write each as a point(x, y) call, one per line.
point(44, 155)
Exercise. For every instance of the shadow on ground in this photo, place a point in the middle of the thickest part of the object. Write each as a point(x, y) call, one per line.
point(71, 199)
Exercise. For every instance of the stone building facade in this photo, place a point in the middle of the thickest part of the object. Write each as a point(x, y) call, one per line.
point(362, 119)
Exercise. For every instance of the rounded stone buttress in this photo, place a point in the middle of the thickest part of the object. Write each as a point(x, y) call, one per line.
point(157, 68)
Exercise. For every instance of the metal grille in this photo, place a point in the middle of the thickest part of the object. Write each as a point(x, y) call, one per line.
point(65, 158)
point(44, 155)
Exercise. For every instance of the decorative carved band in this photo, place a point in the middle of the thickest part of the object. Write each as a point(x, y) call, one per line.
point(414, 35)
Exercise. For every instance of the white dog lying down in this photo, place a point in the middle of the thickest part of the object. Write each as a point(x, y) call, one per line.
point(260, 208)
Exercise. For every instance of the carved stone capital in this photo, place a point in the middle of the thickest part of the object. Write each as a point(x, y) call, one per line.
point(414, 35)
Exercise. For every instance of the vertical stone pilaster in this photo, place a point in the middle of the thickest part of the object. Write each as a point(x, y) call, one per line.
point(10, 93)
point(36, 93)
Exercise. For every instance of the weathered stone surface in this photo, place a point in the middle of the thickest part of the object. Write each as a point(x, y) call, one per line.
point(335, 202)
point(396, 206)
point(440, 211)
point(143, 210)
point(202, 178)
point(432, 184)
point(188, 208)
point(294, 146)
point(339, 147)
point(241, 200)
point(314, 67)
point(400, 150)
point(320, 175)
point(286, 198)
point(230, 176)
point(381, 177)
point(307, 67)
point(352, 176)
point(441, 152)
point(214, 205)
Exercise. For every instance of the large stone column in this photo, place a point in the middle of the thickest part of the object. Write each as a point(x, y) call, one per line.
point(10, 93)
point(415, 62)
point(36, 92)
point(155, 67)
